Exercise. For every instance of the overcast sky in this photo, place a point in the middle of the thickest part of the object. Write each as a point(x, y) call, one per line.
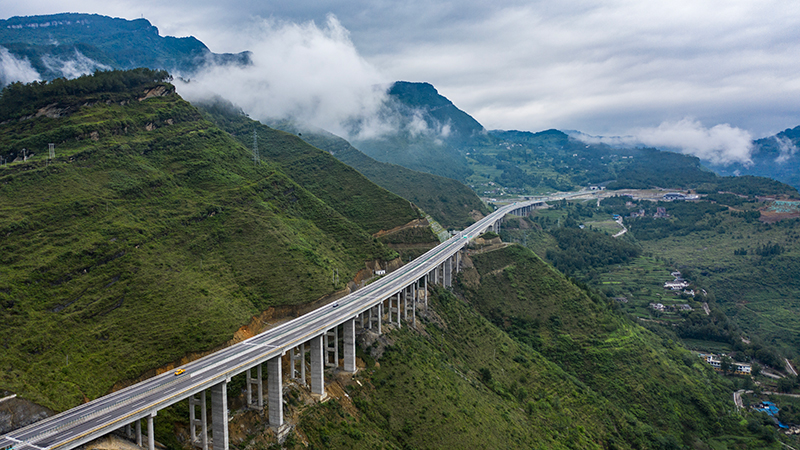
point(611, 67)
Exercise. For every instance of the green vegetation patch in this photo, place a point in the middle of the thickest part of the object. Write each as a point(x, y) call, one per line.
point(151, 235)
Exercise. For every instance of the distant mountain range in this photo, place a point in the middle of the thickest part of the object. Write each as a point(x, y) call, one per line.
point(432, 136)
point(67, 45)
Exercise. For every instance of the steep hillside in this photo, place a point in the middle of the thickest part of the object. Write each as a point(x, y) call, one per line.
point(429, 132)
point(150, 235)
point(551, 367)
point(334, 182)
point(65, 45)
point(451, 203)
point(654, 381)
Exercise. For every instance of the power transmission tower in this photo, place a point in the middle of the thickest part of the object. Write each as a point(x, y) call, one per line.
point(256, 159)
point(52, 149)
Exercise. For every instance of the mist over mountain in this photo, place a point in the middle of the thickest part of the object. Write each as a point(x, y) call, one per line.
point(774, 157)
point(426, 131)
point(70, 44)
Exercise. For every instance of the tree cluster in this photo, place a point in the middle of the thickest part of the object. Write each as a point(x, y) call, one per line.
point(18, 99)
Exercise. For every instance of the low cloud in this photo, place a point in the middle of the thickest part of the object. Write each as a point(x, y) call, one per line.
point(311, 74)
point(720, 144)
point(74, 67)
point(14, 69)
point(786, 147)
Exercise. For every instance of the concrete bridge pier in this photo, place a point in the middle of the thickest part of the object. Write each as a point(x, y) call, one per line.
point(395, 309)
point(202, 439)
point(275, 387)
point(331, 338)
point(448, 272)
point(298, 355)
point(256, 382)
point(370, 318)
point(219, 415)
point(426, 296)
point(405, 302)
point(139, 432)
point(414, 303)
point(349, 342)
point(317, 367)
point(151, 434)
point(380, 316)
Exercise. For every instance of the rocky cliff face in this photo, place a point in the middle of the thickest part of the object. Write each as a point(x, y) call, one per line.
point(16, 413)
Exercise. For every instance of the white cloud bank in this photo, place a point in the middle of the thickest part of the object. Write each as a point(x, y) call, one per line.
point(74, 67)
point(786, 147)
point(309, 73)
point(720, 144)
point(14, 69)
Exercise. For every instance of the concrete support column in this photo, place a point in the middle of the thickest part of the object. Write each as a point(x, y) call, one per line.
point(258, 383)
point(219, 415)
point(128, 431)
point(380, 316)
point(414, 303)
point(349, 341)
point(426, 297)
point(303, 363)
point(194, 402)
point(275, 386)
point(332, 347)
point(294, 358)
point(398, 310)
point(151, 434)
point(139, 432)
point(448, 268)
point(405, 303)
point(317, 367)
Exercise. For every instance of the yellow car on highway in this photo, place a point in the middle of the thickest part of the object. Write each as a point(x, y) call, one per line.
point(179, 371)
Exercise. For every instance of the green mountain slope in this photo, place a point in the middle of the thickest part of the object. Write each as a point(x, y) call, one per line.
point(448, 201)
point(430, 131)
point(151, 235)
point(551, 367)
point(58, 45)
point(661, 385)
point(334, 182)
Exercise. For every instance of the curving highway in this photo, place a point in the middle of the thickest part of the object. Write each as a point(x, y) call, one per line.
point(91, 420)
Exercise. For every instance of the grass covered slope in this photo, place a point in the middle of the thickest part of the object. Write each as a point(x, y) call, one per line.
point(337, 184)
point(656, 382)
point(459, 381)
point(448, 201)
point(463, 383)
point(151, 235)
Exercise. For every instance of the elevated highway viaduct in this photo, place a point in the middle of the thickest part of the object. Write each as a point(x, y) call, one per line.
point(394, 297)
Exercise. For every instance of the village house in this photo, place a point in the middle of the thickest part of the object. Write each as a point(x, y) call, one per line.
point(738, 368)
point(676, 285)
